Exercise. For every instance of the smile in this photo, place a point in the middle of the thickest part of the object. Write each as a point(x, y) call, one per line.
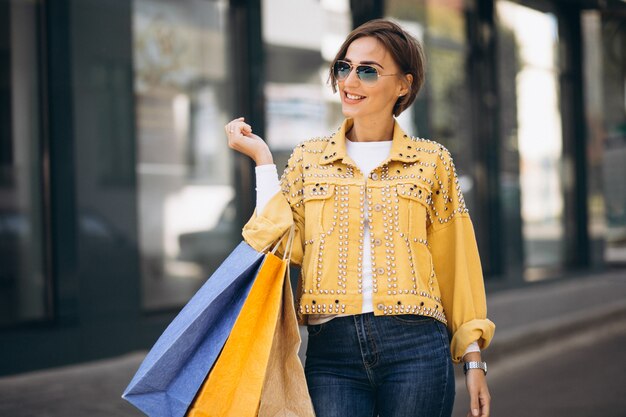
point(354, 96)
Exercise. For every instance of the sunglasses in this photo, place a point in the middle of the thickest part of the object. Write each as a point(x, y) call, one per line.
point(366, 73)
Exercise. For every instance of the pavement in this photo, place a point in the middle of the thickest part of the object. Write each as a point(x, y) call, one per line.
point(526, 318)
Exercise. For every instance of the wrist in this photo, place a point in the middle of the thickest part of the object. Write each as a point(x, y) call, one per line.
point(264, 158)
point(472, 357)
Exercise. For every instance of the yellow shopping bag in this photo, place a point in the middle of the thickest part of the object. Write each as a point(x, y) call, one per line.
point(234, 385)
point(285, 392)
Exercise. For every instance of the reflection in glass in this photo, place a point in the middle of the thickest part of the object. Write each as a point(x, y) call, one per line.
point(596, 133)
point(22, 284)
point(299, 103)
point(186, 197)
point(539, 139)
point(441, 110)
point(605, 104)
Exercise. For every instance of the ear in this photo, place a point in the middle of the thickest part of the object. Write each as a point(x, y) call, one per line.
point(408, 78)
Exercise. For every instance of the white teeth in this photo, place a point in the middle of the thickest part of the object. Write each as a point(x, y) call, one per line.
point(353, 97)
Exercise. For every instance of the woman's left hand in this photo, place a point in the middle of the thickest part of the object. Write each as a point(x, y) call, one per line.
point(476, 383)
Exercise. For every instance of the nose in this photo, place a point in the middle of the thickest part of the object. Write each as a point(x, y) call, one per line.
point(352, 78)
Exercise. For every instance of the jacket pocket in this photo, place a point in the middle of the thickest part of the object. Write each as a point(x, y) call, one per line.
point(427, 270)
point(315, 329)
point(414, 198)
point(320, 208)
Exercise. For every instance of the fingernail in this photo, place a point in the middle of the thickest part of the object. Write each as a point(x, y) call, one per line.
point(475, 411)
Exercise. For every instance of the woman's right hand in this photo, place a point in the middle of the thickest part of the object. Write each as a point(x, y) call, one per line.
point(241, 139)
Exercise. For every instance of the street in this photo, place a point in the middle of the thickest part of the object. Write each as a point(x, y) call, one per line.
point(581, 376)
point(567, 361)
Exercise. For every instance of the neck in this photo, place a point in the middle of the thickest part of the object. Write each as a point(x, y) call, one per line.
point(371, 130)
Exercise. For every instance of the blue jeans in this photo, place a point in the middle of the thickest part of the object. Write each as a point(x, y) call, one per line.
point(388, 366)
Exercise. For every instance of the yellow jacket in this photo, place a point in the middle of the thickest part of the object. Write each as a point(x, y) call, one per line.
point(424, 253)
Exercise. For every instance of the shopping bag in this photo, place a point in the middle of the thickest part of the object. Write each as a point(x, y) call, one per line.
point(285, 392)
point(234, 385)
point(175, 367)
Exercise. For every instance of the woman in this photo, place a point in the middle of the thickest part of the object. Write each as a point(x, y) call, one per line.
point(391, 286)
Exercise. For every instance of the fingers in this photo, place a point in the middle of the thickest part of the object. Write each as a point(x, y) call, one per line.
point(485, 402)
point(474, 404)
point(479, 394)
point(237, 127)
point(479, 404)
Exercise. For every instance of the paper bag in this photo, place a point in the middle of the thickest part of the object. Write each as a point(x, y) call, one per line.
point(176, 366)
point(234, 385)
point(285, 392)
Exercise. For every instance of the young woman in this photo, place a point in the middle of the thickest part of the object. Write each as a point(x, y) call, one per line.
point(391, 286)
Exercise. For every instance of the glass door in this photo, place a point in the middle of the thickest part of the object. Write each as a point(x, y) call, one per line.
point(529, 39)
point(183, 92)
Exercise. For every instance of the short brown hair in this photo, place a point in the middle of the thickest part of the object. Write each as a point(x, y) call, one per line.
point(407, 52)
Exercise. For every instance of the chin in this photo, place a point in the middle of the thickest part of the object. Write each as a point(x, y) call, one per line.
point(347, 113)
point(351, 113)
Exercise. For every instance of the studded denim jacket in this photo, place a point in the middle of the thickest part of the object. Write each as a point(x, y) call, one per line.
point(424, 254)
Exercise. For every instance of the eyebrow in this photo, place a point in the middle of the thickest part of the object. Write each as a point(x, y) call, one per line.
point(366, 62)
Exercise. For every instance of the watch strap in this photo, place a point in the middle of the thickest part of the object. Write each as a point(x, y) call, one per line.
point(475, 365)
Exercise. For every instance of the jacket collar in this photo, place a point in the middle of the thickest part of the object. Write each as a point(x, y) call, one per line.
point(403, 147)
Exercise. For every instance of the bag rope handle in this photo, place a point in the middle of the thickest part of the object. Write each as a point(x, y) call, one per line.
point(289, 247)
point(290, 235)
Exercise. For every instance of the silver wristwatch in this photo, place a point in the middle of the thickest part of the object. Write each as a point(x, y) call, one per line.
point(474, 365)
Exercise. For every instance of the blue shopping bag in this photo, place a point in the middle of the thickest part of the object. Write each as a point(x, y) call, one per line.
point(173, 370)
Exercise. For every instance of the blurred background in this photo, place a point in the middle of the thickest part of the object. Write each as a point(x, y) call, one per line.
point(119, 195)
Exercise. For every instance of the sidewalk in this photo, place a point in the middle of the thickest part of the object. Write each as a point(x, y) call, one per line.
point(536, 315)
point(524, 318)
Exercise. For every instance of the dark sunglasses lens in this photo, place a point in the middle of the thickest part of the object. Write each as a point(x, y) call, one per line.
point(367, 74)
point(342, 70)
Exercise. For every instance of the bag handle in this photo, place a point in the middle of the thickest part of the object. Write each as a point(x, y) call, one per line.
point(290, 235)
point(289, 247)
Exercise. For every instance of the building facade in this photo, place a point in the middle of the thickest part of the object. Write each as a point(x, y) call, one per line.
point(119, 195)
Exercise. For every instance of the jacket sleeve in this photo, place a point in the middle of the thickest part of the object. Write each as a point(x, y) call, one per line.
point(285, 208)
point(457, 263)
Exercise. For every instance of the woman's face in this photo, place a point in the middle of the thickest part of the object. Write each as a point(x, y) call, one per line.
point(379, 98)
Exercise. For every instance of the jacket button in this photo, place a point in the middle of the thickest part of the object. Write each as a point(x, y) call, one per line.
point(374, 176)
point(380, 271)
point(381, 306)
point(378, 207)
point(377, 242)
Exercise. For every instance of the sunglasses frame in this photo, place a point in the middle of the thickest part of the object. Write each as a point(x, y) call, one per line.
point(358, 74)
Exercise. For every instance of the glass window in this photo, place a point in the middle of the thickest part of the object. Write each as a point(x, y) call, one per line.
point(440, 111)
point(185, 169)
point(299, 103)
point(528, 57)
point(605, 107)
point(23, 287)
